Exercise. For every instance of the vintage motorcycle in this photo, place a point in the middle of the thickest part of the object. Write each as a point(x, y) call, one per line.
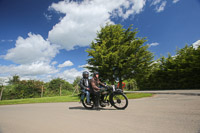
point(108, 96)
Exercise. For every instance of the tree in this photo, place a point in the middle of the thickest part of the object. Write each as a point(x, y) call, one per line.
point(177, 72)
point(117, 54)
point(76, 84)
point(14, 80)
point(58, 84)
point(28, 89)
point(76, 81)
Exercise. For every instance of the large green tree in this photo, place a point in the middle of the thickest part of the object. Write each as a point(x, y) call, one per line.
point(119, 55)
point(176, 72)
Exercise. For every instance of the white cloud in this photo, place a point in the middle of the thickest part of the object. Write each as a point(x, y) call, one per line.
point(66, 64)
point(155, 2)
point(175, 1)
point(86, 65)
point(196, 44)
point(4, 80)
point(161, 7)
point(82, 20)
point(32, 49)
point(48, 17)
point(6, 40)
point(70, 74)
point(153, 44)
point(33, 56)
point(54, 62)
point(34, 69)
point(132, 7)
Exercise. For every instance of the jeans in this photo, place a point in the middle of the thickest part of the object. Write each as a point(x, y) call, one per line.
point(87, 95)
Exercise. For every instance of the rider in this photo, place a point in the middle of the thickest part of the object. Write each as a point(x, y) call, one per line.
point(84, 84)
point(96, 90)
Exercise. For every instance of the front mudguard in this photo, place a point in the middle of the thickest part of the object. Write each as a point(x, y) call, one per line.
point(118, 91)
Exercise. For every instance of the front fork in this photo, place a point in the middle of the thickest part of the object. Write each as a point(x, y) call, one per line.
point(106, 100)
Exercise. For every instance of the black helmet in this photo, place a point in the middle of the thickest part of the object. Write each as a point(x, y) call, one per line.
point(95, 73)
point(85, 74)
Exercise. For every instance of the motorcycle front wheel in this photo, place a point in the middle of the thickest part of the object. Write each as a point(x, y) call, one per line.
point(119, 101)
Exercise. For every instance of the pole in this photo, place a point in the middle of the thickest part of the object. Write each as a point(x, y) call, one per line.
point(42, 90)
point(60, 89)
point(1, 92)
point(76, 89)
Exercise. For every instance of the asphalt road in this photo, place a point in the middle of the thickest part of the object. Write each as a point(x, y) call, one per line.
point(158, 114)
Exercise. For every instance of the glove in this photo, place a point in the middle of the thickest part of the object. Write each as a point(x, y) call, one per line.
point(106, 87)
point(101, 89)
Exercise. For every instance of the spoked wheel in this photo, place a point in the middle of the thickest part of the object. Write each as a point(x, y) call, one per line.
point(120, 101)
point(84, 102)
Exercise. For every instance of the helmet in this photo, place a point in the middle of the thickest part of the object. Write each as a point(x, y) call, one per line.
point(95, 73)
point(85, 74)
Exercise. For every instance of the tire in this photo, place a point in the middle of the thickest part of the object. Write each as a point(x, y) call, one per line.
point(119, 100)
point(84, 102)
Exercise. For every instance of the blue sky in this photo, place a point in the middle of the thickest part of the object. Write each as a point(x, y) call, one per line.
point(45, 39)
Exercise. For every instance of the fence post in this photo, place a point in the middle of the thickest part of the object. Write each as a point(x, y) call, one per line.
point(42, 90)
point(76, 89)
point(60, 89)
point(1, 92)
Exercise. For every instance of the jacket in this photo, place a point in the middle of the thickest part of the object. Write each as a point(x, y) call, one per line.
point(95, 83)
point(84, 83)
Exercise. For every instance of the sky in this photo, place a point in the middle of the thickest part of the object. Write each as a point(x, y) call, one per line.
point(47, 39)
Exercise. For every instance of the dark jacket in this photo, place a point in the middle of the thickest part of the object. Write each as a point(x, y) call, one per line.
point(84, 83)
point(95, 84)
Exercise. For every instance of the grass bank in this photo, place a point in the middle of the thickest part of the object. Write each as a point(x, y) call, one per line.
point(62, 99)
point(138, 95)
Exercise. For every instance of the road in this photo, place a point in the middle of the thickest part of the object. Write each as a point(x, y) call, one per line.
point(158, 114)
point(173, 92)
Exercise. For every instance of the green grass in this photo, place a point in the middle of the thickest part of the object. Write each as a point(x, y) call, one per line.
point(138, 95)
point(62, 99)
point(41, 100)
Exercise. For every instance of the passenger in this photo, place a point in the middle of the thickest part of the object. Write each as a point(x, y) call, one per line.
point(84, 84)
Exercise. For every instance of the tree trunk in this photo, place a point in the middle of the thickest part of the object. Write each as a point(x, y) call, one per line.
point(120, 83)
point(76, 89)
point(112, 81)
point(42, 90)
point(60, 89)
point(1, 94)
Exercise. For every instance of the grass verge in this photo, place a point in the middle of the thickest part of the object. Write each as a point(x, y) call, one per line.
point(62, 99)
point(138, 95)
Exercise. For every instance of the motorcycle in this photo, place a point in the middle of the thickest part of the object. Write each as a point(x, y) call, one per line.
point(108, 96)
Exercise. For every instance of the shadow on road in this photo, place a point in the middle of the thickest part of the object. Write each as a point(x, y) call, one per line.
point(78, 108)
point(1, 131)
point(82, 108)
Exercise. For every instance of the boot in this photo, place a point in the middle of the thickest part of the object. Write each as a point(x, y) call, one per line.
point(103, 104)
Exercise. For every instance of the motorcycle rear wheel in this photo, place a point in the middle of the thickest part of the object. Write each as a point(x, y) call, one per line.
point(84, 102)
